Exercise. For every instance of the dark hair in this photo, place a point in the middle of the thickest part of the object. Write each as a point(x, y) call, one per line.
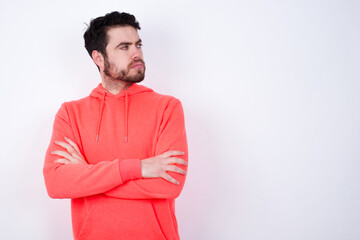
point(96, 34)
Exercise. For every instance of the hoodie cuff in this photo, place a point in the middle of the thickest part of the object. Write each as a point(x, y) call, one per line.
point(130, 169)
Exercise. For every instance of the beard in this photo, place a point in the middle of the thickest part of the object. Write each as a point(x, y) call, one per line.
point(111, 71)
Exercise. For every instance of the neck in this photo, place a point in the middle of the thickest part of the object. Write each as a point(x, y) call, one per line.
point(114, 86)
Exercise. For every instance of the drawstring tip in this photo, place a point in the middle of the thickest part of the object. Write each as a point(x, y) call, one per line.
point(126, 139)
point(97, 138)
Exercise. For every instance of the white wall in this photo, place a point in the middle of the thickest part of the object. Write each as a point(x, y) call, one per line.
point(271, 96)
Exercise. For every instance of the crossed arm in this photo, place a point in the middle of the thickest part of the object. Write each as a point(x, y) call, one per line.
point(154, 167)
point(68, 175)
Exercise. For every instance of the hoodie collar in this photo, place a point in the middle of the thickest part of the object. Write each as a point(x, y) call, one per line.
point(101, 93)
point(135, 88)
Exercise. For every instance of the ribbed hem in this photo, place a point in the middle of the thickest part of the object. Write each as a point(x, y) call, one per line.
point(130, 169)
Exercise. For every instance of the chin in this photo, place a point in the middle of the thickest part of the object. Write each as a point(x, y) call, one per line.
point(135, 79)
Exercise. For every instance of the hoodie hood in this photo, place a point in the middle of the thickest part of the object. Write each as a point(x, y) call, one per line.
point(102, 94)
point(98, 92)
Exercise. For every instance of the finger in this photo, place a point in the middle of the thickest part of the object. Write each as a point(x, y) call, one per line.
point(68, 147)
point(74, 145)
point(62, 144)
point(172, 153)
point(168, 178)
point(62, 160)
point(174, 160)
point(66, 155)
point(175, 169)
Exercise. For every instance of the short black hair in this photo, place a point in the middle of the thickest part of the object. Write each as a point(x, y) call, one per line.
point(96, 34)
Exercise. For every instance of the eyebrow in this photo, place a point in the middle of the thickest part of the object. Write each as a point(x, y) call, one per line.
point(128, 43)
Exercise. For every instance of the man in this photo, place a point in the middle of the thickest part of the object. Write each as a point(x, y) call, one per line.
point(120, 154)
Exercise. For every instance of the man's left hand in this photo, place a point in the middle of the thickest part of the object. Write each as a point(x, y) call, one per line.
point(72, 155)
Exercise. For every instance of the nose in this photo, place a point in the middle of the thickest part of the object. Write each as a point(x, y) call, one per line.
point(137, 53)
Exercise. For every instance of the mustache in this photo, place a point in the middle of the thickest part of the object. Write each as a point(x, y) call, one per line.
point(135, 62)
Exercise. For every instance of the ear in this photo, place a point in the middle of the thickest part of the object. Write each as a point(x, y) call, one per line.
point(98, 58)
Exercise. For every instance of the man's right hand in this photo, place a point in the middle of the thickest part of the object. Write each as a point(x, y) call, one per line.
point(157, 166)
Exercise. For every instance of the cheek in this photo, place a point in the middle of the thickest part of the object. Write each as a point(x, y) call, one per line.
point(119, 58)
point(120, 62)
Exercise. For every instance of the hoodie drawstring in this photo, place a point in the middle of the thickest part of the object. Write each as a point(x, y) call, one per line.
point(126, 112)
point(100, 116)
point(126, 115)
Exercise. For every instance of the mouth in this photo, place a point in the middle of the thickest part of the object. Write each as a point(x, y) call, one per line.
point(137, 65)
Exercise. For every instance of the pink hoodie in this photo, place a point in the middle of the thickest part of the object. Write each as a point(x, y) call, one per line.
point(109, 197)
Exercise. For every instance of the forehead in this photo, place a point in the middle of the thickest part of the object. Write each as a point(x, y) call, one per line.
point(120, 34)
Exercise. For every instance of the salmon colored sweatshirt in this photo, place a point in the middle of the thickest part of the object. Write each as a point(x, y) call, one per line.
point(109, 197)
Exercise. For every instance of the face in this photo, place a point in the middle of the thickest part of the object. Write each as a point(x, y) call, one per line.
point(124, 59)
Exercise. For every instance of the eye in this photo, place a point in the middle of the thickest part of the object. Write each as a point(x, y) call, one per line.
point(139, 45)
point(126, 47)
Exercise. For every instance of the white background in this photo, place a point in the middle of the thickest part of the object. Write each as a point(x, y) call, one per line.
point(270, 91)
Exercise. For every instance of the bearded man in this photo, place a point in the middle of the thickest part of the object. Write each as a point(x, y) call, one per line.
point(119, 154)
